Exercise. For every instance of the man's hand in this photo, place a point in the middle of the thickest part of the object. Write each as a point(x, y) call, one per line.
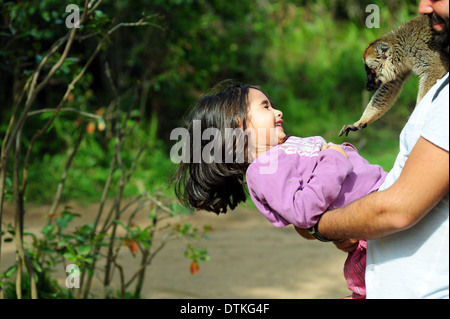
point(304, 233)
point(334, 147)
point(347, 245)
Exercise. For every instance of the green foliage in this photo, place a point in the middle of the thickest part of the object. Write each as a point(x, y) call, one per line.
point(90, 168)
point(48, 287)
point(60, 244)
point(306, 56)
point(318, 77)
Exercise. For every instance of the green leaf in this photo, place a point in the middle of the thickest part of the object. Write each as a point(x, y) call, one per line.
point(81, 239)
point(180, 209)
point(62, 223)
point(70, 256)
point(48, 229)
point(99, 237)
point(30, 234)
point(152, 216)
point(119, 223)
point(69, 216)
point(11, 270)
point(71, 250)
point(146, 244)
point(36, 266)
point(47, 250)
point(84, 250)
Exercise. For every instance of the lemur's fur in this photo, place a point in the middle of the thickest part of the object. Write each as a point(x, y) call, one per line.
point(391, 59)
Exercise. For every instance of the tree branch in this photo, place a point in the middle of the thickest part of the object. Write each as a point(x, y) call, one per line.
point(64, 176)
point(72, 110)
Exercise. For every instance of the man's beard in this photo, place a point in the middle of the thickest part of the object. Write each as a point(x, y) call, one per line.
point(441, 38)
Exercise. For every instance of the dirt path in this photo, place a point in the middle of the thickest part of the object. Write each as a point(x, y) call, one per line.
point(249, 259)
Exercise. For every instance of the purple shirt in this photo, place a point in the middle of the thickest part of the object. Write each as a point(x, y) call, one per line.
point(295, 182)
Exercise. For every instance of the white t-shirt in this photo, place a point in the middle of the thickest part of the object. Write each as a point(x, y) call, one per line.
point(415, 263)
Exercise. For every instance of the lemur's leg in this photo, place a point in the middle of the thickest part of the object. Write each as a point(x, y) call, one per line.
point(380, 103)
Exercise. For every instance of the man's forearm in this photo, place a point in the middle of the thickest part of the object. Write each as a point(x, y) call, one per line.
point(423, 182)
point(366, 218)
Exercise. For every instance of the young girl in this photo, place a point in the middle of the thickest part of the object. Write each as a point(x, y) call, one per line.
point(291, 180)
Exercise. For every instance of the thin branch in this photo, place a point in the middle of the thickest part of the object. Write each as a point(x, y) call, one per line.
point(124, 180)
point(18, 229)
point(122, 279)
point(130, 24)
point(70, 87)
point(15, 108)
point(91, 7)
point(110, 256)
point(137, 210)
point(85, 114)
point(160, 204)
point(34, 88)
point(164, 241)
point(104, 194)
point(64, 176)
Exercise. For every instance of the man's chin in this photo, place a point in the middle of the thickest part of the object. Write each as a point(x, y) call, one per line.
point(442, 39)
point(441, 36)
point(441, 31)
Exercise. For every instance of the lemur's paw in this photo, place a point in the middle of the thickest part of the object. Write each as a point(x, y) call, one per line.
point(353, 127)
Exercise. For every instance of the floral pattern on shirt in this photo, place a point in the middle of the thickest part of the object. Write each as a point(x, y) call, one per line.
point(308, 146)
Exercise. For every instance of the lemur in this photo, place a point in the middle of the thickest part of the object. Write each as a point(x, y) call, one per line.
point(390, 60)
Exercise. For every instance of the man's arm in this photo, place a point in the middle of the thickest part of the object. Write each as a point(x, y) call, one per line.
point(423, 182)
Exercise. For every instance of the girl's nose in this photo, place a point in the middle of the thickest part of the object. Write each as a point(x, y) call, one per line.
point(278, 113)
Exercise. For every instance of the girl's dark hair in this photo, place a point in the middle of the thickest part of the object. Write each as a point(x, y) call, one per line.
point(215, 186)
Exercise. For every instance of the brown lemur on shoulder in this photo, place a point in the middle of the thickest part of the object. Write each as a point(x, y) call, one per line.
point(390, 60)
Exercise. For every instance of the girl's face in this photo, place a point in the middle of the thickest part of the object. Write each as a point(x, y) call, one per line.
point(264, 122)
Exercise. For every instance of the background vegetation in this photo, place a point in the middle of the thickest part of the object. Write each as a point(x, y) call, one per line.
point(305, 54)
